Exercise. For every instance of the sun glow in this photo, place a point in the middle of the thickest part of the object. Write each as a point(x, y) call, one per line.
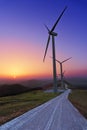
point(18, 61)
point(14, 73)
point(21, 68)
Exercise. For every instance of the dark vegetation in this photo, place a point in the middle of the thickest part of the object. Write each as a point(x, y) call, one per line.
point(24, 86)
point(31, 85)
point(6, 90)
point(13, 89)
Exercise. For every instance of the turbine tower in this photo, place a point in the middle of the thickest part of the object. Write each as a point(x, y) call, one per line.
point(61, 70)
point(52, 34)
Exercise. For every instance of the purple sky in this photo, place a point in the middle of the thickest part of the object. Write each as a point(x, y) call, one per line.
point(23, 37)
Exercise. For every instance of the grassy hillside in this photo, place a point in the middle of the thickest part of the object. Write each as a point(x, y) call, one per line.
point(13, 106)
point(79, 99)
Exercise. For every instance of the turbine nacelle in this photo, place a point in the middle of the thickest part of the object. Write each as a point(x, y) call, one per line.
point(50, 32)
point(53, 33)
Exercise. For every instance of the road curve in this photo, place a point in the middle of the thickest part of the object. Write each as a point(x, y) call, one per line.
point(56, 114)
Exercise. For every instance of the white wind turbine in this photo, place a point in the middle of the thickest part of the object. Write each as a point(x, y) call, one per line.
point(61, 70)
point(53, 34)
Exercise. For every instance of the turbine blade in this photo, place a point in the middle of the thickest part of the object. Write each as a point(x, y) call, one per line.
point(46, 47)
point(66, 60)
point(58, 61)
point(58, 19)
point(47, 28)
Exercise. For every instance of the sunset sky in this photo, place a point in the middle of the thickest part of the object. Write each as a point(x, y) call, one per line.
point(23, 37)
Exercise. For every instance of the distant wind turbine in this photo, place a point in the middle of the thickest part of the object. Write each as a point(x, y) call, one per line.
point(53, 34)
point(61, 70)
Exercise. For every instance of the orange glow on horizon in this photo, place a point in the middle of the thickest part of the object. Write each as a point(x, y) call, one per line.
point(18, 60)
point(24, 60)
point(16, 75)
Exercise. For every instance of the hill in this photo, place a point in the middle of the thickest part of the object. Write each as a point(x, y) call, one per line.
point(12, 89)
point(24, 86)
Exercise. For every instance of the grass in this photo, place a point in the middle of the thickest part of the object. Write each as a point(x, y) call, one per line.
point(79, 100)
point(13, 106)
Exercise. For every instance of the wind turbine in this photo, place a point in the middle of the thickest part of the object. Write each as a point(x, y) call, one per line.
point(52, 34)
point(61, 70)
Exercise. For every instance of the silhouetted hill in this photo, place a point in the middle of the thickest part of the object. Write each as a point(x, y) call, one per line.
point(35, 83)
point(78, 82)
point(30, 85)
point(24, 86)
point(6, 90)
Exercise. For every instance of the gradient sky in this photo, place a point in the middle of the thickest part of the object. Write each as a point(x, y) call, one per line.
point(23, 37)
